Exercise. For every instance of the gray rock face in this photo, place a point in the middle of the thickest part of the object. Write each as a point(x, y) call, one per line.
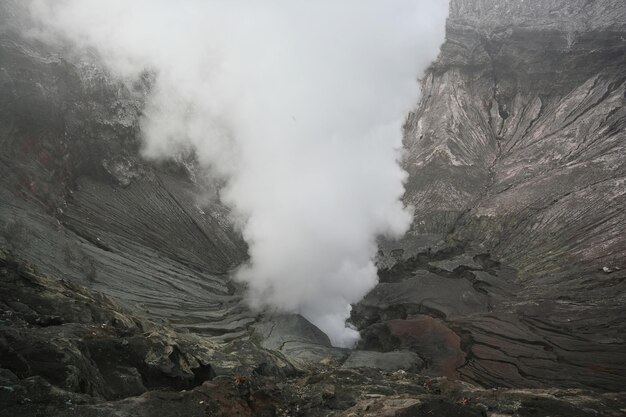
point(90, 209)
point(425, 290)
point(116, 297)
point(297, 339)
point(506, 340)
point(517, 150)
point(518, 142)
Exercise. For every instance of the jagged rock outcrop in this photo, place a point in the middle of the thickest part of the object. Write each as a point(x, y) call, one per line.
point(518, 141)
point(517, 158)
point(68, 351)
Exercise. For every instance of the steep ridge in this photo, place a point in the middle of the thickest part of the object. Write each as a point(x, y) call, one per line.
point(78, 201)
point(517, 150)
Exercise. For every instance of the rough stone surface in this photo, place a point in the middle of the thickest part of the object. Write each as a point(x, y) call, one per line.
point(517, 163)
point(386, 361)
point(518, 142)
point(297, 339)
point(506, 298)
point(77, 200)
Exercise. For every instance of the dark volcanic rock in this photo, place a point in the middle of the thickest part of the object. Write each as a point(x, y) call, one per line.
point(297, 339)
point(94, 350)
point(95, 359)
point(387, 361)
point(423, 290)
point(115, 297)
point(518, 141)
point(517, 150)
point(78, 201)
point(509, 341)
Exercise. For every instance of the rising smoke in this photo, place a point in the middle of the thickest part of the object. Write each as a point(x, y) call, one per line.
point(298, 105)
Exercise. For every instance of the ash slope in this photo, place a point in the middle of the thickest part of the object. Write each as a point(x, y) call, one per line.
point(516, 162)
point(84, 204)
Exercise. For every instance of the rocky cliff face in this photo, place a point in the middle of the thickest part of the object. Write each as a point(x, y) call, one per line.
point(114, 271)
point(517, 144)
point(88, 207)
point(517, 151)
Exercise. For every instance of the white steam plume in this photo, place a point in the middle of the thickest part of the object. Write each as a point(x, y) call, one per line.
point(298, 105)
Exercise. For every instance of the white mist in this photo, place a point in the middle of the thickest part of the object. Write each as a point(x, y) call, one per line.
point(298, 105)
